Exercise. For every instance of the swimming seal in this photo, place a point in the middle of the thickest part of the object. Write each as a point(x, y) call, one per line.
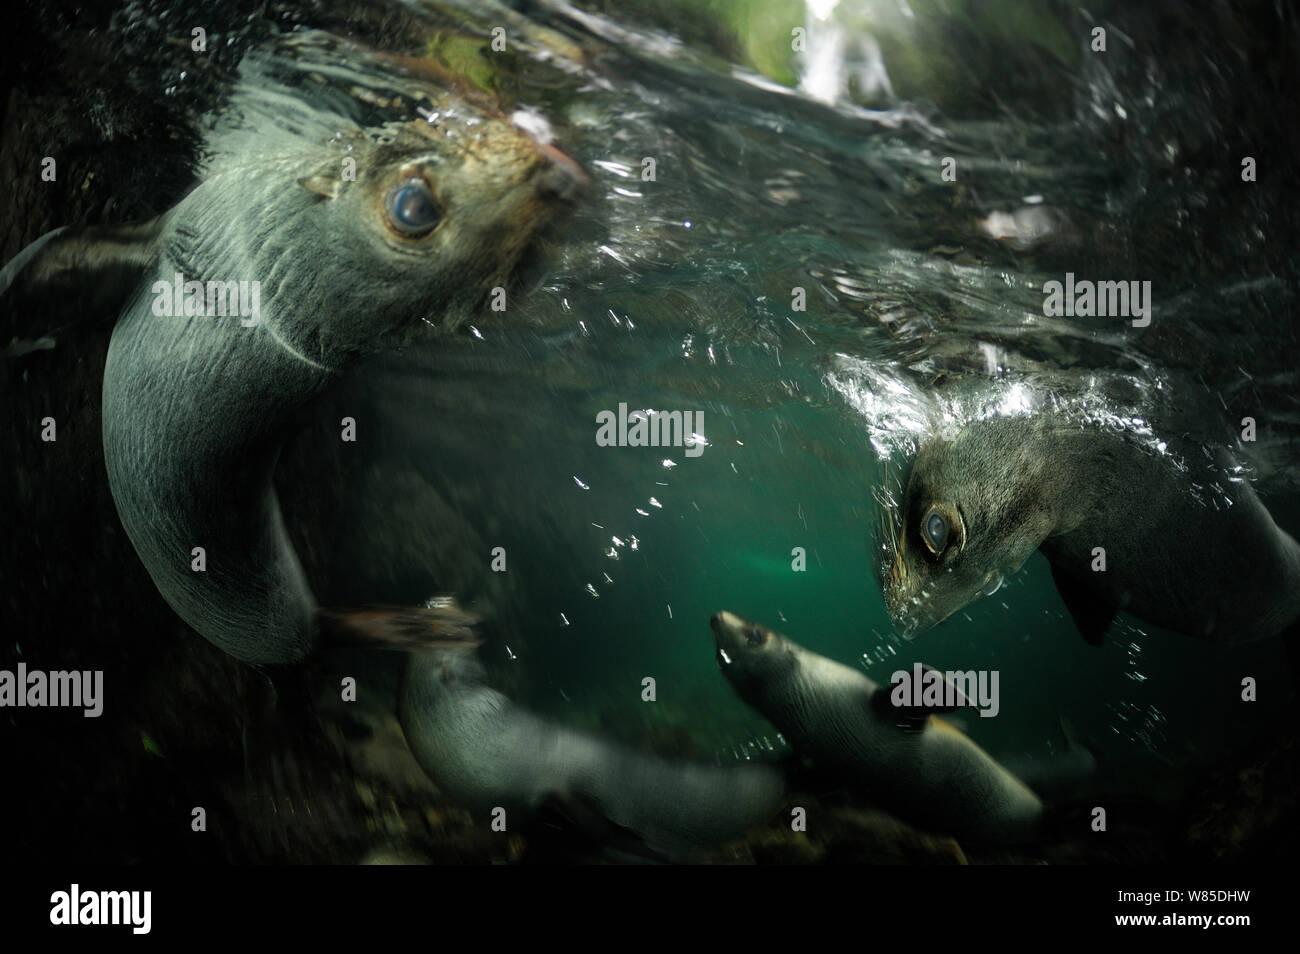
point(1188, 545)
point(913, 764)
point(485, 752)
point(353, 237)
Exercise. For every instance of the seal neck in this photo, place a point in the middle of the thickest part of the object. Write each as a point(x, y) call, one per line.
point(194, 414)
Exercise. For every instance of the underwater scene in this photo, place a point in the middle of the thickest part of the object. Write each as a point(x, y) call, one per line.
point(663, 431)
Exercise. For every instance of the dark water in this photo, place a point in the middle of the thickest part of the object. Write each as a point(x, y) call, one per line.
point(677, 293)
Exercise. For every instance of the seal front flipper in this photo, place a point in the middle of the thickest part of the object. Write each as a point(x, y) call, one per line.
point(441, 623)
point(911, 718)
point(1061, 775)
point(1090, 614)
point(72, 274)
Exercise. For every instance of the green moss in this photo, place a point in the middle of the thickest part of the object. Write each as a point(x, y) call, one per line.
point(471, 58)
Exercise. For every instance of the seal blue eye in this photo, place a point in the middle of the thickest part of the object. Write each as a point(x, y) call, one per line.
point(934, 531)
point(411, 208)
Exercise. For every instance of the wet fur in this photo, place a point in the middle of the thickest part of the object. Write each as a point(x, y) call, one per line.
point(484, 751)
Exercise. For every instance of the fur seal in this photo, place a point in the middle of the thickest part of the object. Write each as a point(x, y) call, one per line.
point(353, 237)
point(1187, 547)
point(484, 751)
point(915, 765)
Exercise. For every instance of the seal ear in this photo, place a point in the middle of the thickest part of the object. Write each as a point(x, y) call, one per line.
point(325, 183)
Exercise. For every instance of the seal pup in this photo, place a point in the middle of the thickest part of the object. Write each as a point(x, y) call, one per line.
point(913, 764)
point(354, 235)
point(485, 752)
point(1194, 553)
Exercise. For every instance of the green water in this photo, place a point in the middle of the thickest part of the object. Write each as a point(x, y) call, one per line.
point(678, 294)
point(723, 540)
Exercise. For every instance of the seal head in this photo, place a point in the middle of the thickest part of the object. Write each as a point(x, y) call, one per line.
point(355, 244)
point(1170, 530)
point(970, 517)
point(752, 657)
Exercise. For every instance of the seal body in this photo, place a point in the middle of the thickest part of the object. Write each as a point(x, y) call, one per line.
point(485, 752)
point(353, 241)
point(929, 774)
point(1169, 531)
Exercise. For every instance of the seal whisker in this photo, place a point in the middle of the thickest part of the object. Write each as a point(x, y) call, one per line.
point(291, 351)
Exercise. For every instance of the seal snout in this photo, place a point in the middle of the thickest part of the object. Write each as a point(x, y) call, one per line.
point(561, 177)
point(725, 626)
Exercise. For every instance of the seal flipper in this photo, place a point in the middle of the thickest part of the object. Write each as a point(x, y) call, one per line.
point(912, 718)
point(1090, 615)
point(441, 624)
point(72, 274)
point(1060, 775)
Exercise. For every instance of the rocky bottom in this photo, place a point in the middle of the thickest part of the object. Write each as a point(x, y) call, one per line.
point(287, 773)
